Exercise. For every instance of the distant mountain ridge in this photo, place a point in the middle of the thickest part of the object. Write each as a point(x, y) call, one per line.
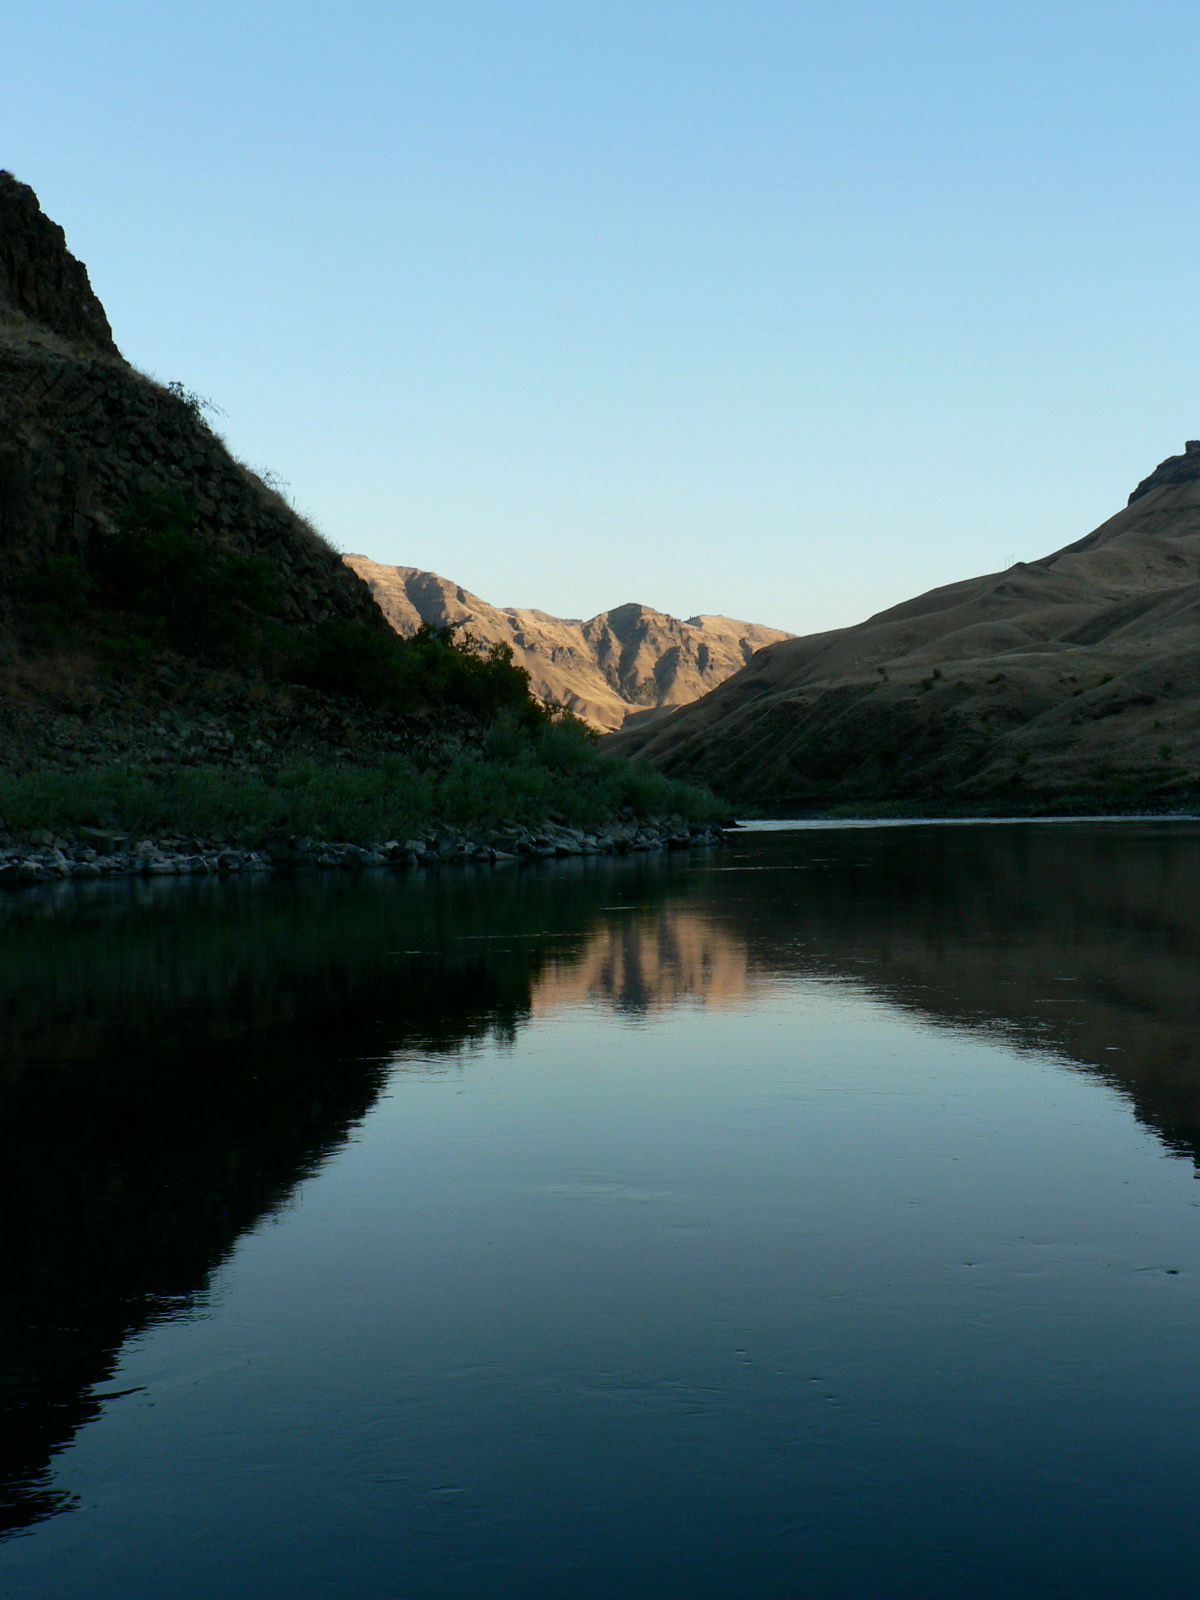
point(626, 663)
point(1070, 681)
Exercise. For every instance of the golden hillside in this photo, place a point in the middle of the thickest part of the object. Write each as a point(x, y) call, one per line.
point(627, 663)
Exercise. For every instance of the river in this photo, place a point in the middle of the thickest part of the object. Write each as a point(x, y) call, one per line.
point(815, 1216)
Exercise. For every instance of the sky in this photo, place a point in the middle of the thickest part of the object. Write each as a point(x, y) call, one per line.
point(785, 311)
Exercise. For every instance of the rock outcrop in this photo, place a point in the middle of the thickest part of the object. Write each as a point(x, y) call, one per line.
point(1174, 470)
point(1071, 681)
point(43, 288)
point(628, 663)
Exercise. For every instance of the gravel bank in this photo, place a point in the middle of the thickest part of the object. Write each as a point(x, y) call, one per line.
point(100, 853)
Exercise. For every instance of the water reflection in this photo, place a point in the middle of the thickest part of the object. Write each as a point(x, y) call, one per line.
point(1082, 942)
point(176, 1059)
point(648, 960)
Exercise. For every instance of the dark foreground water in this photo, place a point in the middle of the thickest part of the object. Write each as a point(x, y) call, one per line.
point(813, 1218)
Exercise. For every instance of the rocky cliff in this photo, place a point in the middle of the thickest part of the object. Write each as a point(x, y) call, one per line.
point(1069, 682)
point(631, 662)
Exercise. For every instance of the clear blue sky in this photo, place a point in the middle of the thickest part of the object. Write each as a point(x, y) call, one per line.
point(783, 310)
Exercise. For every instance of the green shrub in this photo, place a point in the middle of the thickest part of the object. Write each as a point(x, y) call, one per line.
point(129, 650)
point(194, 595)
point(365, 804)
point(199, 405)
point(433, 668)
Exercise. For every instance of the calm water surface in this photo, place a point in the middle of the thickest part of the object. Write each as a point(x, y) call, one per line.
point(813, 1217)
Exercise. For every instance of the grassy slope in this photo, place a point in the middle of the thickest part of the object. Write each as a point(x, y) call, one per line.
point(1072, 681)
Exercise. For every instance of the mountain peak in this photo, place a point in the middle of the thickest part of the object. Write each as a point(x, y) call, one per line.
point(41, 282)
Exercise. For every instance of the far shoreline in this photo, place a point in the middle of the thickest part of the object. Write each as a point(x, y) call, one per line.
point(950, 819)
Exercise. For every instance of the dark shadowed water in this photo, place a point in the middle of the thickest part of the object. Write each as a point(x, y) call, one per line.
point(815, 1217)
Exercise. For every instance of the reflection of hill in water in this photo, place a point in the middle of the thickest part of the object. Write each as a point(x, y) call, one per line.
point(173, 1063)
point(648, 961)
point(1084, 943)
point(174, 1059)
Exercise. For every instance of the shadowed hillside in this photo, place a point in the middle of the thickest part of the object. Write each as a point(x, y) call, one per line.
point(1067, 682)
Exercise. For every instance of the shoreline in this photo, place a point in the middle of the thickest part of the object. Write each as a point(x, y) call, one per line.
point(950, 820)
point(1000, 808)
point(96, 853)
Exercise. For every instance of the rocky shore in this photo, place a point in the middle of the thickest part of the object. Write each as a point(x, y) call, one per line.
point(102, 853)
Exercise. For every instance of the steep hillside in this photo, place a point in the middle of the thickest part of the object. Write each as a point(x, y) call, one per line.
point(184, 660)
point(1068, 681)
point(620, 664)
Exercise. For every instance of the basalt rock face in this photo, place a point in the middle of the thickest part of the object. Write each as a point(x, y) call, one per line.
point(41, 282)
point(1070, 682)
point(629, 663)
